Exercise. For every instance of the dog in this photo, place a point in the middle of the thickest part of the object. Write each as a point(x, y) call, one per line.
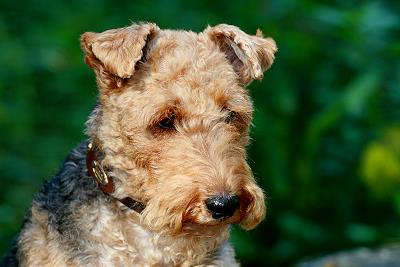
point(163, 173)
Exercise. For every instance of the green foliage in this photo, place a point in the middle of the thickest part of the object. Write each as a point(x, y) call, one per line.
point(380, 165)
point(326, 136)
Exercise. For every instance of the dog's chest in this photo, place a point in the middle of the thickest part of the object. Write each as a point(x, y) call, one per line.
point(130, 244)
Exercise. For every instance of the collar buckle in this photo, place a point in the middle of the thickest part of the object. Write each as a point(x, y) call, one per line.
point(99, 173)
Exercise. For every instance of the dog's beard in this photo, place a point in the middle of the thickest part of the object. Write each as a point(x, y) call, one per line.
point(179, 210)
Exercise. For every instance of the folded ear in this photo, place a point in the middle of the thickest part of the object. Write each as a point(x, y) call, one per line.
point(116, 52)
point(250, 55)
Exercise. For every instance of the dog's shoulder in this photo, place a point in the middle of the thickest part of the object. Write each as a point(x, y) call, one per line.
point(69, 185)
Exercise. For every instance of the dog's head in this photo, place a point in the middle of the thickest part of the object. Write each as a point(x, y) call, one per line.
point(173, 121)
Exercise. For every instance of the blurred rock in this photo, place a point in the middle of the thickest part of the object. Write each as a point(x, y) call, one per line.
point(363, 257)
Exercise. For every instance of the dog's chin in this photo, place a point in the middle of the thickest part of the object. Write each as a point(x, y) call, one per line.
point(201, 229)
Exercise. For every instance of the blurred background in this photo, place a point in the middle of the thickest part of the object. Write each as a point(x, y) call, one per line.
point(326, 135)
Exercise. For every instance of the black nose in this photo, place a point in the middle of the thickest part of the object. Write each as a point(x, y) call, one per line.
point(223, 206)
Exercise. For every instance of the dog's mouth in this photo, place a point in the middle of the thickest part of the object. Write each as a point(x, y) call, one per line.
point(197, 222)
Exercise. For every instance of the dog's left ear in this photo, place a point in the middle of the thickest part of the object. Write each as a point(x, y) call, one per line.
point(250, 55)
point(116, 52)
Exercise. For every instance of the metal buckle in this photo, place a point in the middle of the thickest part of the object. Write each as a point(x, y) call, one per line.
point(99, 173)
point(97, 170)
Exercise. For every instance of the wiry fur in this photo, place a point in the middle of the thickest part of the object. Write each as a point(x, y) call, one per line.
point(145, 74)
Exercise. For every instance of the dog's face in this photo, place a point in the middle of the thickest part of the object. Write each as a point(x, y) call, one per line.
point(173, 121)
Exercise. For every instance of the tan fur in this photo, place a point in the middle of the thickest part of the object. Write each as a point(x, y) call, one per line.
point(145, 74)
point(39, 243)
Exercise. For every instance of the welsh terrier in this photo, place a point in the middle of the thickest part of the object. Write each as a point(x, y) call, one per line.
point(163, 173)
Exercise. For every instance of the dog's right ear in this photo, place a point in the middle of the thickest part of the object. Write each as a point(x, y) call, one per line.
point(113, 54)
point(250, 55)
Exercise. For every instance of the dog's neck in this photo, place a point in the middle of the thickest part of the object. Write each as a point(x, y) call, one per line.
point(104, 181)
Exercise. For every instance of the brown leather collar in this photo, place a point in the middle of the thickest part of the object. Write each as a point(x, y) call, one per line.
point(105, 182)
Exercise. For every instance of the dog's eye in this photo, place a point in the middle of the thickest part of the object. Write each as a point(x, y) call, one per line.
point(167, 123)
point(230, 117)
